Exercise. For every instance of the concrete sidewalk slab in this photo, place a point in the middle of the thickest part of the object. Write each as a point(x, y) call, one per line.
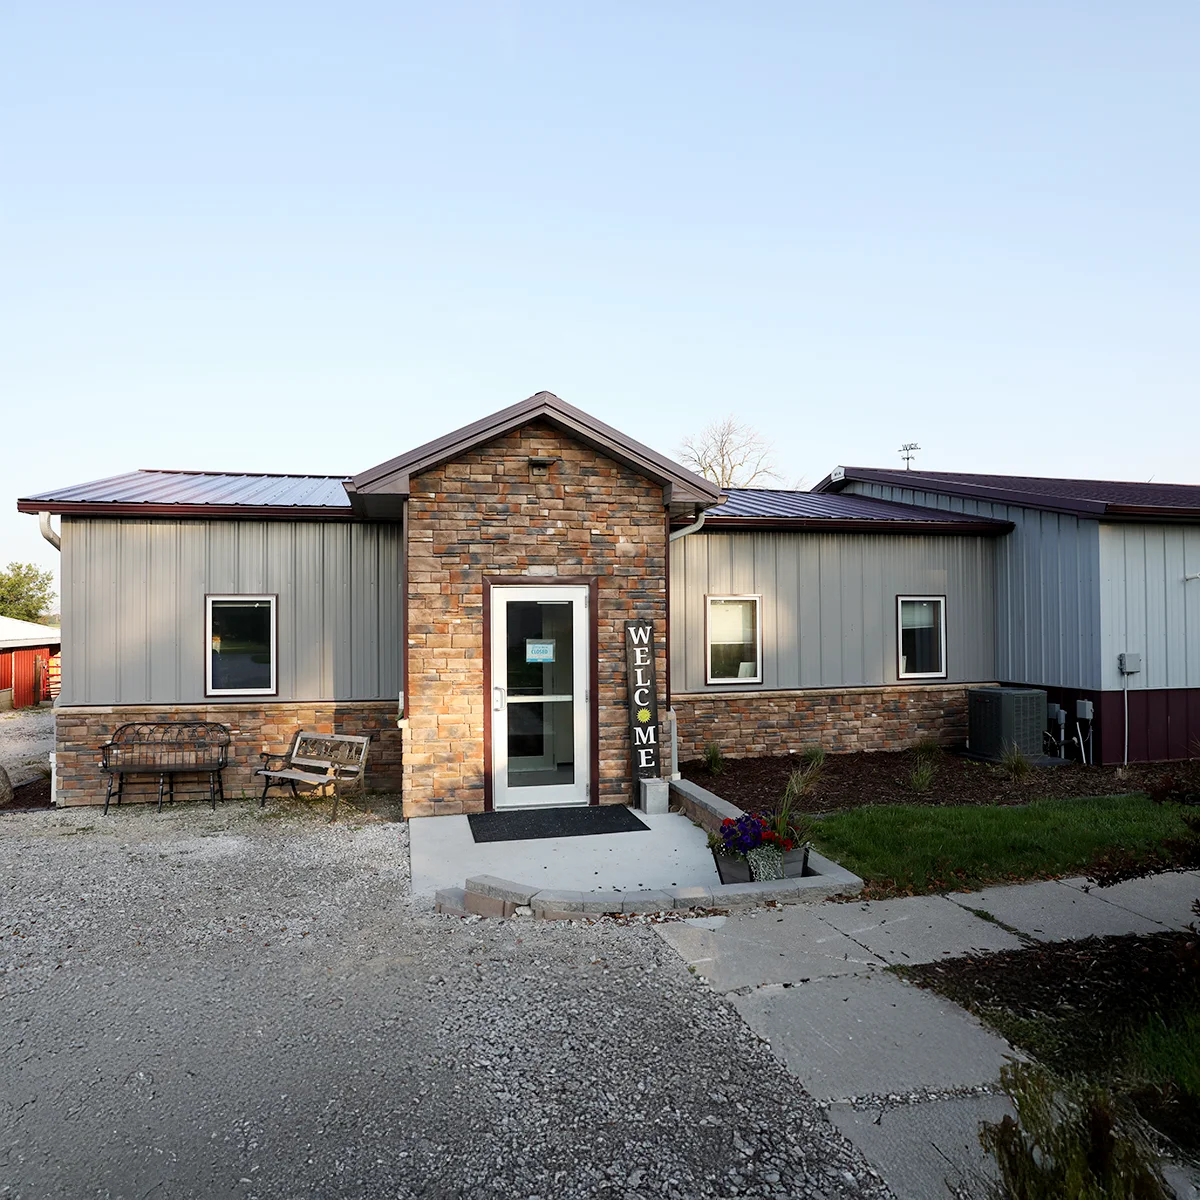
point(1183, 1179)
point(1054, 911)
point(918, 929)
point(865, 1036)
point(671, 853)
point(788, 945)
point(929, 1149)
point(1167, 898)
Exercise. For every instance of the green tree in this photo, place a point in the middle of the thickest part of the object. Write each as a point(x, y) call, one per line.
point(25, 592)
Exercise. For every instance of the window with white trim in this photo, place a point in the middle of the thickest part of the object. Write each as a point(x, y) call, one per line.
point(734, 639)
point(240, 635)
point(921, 637)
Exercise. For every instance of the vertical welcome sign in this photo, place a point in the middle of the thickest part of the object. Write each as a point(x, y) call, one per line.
point(643, 699)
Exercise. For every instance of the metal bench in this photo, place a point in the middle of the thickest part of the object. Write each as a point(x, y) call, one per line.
point(317, 759)
point(166, 749)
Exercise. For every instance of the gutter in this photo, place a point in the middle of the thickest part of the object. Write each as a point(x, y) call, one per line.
point(986, 527)
point(140, 508)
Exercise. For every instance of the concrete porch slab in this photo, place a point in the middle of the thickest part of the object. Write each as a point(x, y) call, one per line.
point(671, 853)
point(1055, 911)
point(1167, 898)
point(930, 1149)
point(918, 929)
point(789, 945)
point(869, 1035)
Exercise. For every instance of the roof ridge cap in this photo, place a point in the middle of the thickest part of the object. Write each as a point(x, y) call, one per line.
point(237, 474)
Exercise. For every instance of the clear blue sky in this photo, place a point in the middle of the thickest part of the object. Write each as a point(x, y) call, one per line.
point(308, 237)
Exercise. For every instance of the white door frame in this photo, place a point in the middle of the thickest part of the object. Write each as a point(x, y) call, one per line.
point(545, 795)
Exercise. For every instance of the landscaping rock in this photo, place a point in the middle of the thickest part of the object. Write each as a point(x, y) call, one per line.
point(6, 787)
point(274, 1009)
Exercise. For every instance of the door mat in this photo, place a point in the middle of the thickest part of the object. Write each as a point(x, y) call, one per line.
point(553, 823)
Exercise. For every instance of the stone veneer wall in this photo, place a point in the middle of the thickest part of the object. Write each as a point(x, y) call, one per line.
point(486, 513)
point(254, 728)
point(746, 724)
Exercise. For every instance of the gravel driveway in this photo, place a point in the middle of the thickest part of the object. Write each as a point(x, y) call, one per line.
point(26, 742)
point(236, 1004)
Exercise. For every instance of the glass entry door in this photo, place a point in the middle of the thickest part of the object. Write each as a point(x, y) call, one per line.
point(540, 692)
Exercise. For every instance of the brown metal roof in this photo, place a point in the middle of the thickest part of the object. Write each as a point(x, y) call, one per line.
point(770, 508)
point(206, 493)
point(391, 477)
point(1082, 497)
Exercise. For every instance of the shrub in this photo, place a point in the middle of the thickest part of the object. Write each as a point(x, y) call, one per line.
point(813, 756)
point(800, 783)
point(920, 778)
point(927, 747)
point(1015, 764)
point(714, 759)
point(791, 829)
point(1069, 1142)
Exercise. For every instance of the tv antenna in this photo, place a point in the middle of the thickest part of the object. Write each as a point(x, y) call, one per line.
point(907, 453)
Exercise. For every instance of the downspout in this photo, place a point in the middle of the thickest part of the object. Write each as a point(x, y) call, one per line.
point(48, 530)
point(48, 533)
point(694, 527)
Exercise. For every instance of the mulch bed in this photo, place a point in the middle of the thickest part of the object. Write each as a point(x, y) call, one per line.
point(852, 780)
point(1117, 978)
point(34, 794)
point(1072, 1004)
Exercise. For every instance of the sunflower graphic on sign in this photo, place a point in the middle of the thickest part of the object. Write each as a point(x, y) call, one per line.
point(643, 715)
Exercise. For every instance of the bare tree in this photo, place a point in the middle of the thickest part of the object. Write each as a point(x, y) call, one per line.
point(730, 454)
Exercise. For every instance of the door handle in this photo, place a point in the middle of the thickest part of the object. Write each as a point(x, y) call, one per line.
point(497, 699)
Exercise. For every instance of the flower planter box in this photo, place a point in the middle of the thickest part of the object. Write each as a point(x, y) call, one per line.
point(737, 870)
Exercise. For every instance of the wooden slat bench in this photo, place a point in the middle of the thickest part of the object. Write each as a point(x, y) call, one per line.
point(166, 749)
point(318, 759)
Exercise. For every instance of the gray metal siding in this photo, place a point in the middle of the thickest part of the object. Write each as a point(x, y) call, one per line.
point(1147, 607)
point(133, 606)
point(1047, 587)
point(829, 603)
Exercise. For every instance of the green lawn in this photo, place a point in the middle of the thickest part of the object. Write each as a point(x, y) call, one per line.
point(928, 848)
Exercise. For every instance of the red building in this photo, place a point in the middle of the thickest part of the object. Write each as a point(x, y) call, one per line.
point(29, 662)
